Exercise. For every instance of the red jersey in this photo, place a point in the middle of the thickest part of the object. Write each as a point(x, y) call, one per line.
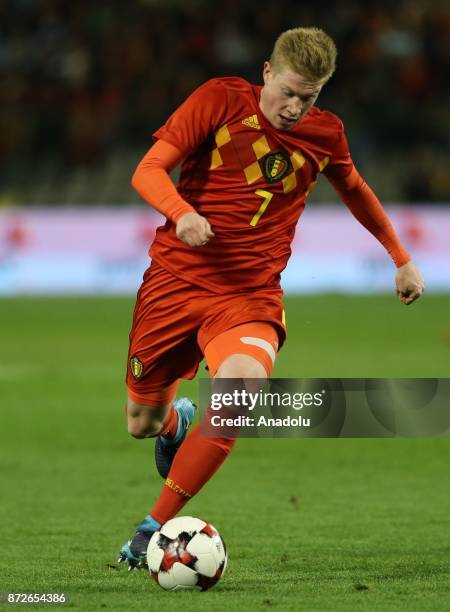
point(248, 179)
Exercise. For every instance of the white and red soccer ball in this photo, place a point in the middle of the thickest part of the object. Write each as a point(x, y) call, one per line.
point(186, 553)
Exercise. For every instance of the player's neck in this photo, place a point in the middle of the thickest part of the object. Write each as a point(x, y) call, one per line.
point(262, 105)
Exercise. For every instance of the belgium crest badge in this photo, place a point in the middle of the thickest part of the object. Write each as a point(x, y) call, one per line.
point(276, 165)
point(136, 367)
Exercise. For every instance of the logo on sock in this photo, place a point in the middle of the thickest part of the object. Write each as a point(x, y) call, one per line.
point(136, 367)
point(172, 485)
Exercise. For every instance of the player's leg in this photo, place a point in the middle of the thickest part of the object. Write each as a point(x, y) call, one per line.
point(229, 355)
point(169, 420)
point(163, 349)
point(153, 411)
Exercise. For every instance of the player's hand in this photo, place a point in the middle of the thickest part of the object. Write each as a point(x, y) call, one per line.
point(410, 284)
point(194, 230)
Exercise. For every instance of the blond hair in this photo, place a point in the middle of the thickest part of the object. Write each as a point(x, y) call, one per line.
point(307, 51)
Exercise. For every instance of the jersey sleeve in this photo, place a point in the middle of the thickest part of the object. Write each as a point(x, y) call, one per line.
point(367, 209)
point(361, 200)
point(202, 113)
point(341, 163)
point(153, 183)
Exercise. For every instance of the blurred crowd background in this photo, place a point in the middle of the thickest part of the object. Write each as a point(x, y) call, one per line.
point(83, 84)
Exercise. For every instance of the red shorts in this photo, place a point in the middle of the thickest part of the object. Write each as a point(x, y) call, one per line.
point(174, 321)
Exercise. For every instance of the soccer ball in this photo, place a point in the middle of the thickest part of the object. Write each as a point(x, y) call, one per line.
point(186, 553)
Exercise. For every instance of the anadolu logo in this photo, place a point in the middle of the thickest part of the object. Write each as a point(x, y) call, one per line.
point(276, 165)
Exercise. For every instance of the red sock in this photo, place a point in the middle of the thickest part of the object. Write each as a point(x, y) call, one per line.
point(170, 425)
point(194, 464)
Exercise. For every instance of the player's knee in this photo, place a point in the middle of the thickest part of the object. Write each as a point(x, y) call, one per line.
point(140, 432)
point(241, 366)
point(138, 429)
point(144, 421)
point(135, 429)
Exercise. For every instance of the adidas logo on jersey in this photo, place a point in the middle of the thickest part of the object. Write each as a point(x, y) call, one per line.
point(252, 122)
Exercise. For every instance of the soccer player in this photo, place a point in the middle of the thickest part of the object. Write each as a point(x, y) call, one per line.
point(250, 157)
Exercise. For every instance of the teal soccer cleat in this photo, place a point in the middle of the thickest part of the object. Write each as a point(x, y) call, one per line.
point(165, 450)
point(134, 552)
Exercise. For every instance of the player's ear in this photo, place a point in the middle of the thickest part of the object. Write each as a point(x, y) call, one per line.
point(267, 72)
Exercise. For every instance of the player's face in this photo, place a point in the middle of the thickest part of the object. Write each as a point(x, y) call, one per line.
point(286, 97)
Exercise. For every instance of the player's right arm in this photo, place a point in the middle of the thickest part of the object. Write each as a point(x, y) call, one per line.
point(153, 183)
point(193, 229)
point(187, 128)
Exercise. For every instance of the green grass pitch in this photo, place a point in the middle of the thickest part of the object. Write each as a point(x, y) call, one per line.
point(312, 524)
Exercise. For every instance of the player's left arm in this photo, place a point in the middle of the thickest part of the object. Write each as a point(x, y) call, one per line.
point(410, 283)
point(367, 209)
